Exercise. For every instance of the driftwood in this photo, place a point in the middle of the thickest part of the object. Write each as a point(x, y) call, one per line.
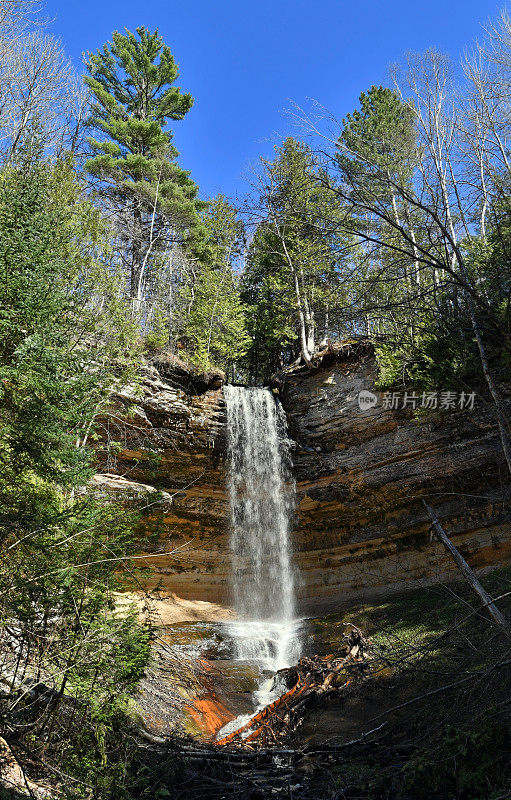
point(307, 682)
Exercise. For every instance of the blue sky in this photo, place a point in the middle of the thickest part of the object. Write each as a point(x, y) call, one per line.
point(245, 61)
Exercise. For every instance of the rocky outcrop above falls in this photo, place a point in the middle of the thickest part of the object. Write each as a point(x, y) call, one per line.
point(362, 476)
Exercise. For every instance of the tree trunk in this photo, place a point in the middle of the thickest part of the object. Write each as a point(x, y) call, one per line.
point(468, 574)
point(304, 344)
point(136, 258)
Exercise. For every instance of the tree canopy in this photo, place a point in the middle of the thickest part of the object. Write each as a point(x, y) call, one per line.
point(131, 80)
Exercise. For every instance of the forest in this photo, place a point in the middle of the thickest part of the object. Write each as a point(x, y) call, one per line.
point(390, 223)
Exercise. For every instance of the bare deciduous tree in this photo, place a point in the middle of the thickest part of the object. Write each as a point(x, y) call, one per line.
point(39, 88)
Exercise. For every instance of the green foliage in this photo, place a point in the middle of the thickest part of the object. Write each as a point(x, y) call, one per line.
point(59, 548)
point(56, 348)
point(98, 752)
point(292, 282)
point(435, 359)
point(270, 305)
point(214, 330)
point(378, 143)
point(465, 764)
point(437, 350)
point(47, 398)
point(157, 338)
point(390, 370)
point(420, 315)
point(131, 80)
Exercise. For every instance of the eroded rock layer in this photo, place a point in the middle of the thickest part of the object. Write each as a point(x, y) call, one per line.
point(362, 475)
point(169, 434)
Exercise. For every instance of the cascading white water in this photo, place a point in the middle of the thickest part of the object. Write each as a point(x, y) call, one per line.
point(261, 493)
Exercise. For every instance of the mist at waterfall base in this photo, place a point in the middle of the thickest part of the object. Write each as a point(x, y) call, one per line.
point(266, 632)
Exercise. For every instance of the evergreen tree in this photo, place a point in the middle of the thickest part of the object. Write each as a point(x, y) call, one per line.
point(378, 144)
point(131, 80)
point(214, 328)
point(294, 258)
point(45, 393)
point(59, 549)
point(378, 155)
point(271, 311)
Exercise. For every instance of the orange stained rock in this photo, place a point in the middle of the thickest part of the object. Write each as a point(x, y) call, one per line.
point(209, 713)
point(206, 665)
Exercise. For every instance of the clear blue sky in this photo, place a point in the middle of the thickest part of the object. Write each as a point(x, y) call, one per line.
point(244, 61)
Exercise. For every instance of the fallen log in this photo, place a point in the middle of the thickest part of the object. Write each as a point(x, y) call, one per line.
point(307, 682)
point(468, 574)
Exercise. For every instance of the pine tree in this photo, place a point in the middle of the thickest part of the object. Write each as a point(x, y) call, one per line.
point(42, 408)
point(378, 143)
point(131, 80)
point(214, 330)
point(271, 313)
point(377, 155)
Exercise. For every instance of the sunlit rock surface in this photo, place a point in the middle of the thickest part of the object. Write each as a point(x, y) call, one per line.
point(362, 476)
point(361, 527)
point(169, 433)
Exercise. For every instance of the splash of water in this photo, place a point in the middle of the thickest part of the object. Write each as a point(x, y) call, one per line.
point(261, 494)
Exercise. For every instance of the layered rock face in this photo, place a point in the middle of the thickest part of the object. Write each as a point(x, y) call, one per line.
point(362, 475)
point(168, 433)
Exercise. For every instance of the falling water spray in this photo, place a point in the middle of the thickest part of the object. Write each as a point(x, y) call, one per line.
point(262, 498)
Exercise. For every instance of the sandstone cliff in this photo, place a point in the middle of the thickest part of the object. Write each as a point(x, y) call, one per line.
point(360, 527)
point(362, 476)
point(168, 433)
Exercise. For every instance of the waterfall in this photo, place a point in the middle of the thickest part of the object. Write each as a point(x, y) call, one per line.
point(262, 495)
